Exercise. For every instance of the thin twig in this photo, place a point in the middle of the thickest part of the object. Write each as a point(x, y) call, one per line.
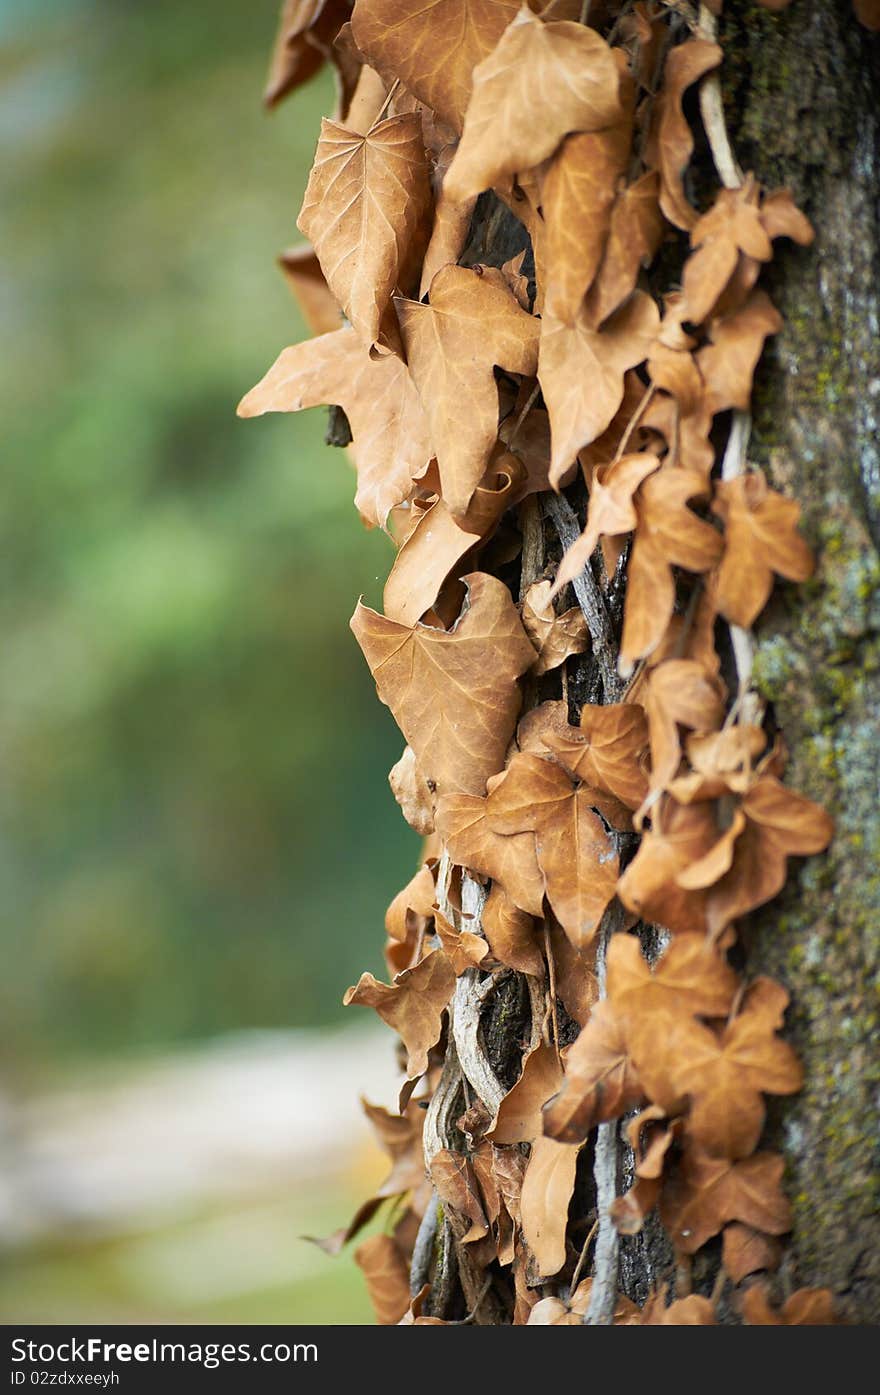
point(712, 111)
point(583, 1255)
point(747, 704)
point(589, 597)
point(633, 422)
point(389, 98)
point(551, 972)
point(603, 1296)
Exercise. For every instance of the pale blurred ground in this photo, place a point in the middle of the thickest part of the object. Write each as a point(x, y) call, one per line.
point(197, 840)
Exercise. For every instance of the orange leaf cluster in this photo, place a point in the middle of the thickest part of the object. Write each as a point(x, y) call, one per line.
point(587, 769)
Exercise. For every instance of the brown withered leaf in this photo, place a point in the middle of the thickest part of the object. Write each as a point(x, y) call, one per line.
point(303, 274)
point(679, 693)
point(668, 534)
point(413, 1005)
point(575, 852)
point(728, 363)
point(472, 323)
point(306, 29)
point(576, 984)
point(611, 511)
point(510, 861)
point(745, 1251)
point(708, 1192)
point(555, 637)
point(510, 931)
point(607, 750)
point(808, 1307)
point(630, 1211)
point(867, 12)
point(452, 221)
point(366, 212)
point(556, 1312)
point(733, 225)
point(693, 1311)
point(519, 1115)
point(456, 1183)
point(634, 234)
point(760, 538)
point(577, 195)
point(679, 836)
point(691, 978)
point(425, 559)
point(387, 1277)
point(581, 371)
point(600, 1082)
point(725, 1074)
point(453, 692)
point(776, 824)
point(540, 82)
point(463, 949)
point(389, 428)
point(415, 899)
point(410, 789)
point(546, 1193)
point(433, 49)
point(671, 141)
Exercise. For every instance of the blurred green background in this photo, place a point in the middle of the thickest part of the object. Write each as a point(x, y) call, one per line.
point(197, 833)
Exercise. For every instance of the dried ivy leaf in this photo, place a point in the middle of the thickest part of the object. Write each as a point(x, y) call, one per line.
point(463, 949)
point(540, 82)
point(600, 1081)
point(760, 538)
point(671, 142)
point(575, 853)
point(510, 931)
point(366, 212)
point(708, 1192)
point(387, 1276)
point(634, 234)
point(808, 1307)
point(519, 1115)
point(692, 1311)
point(728, 363)
point(611, 510)
point(388, 426)
point(303, 274)
point(679, 836)
point(547, 1189)
point(432, 48)
point(410, 789)
point(680, 693)
point(306, 30)
point(413, 1005)
point(510, 861)
point(555, 637)
point(747, 1251)
point(581, 371)
point(691, 977)
point(453, 693)
point(472, 323)
point(456, 1184)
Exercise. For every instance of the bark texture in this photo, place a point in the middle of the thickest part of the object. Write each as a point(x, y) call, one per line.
point(802, 93)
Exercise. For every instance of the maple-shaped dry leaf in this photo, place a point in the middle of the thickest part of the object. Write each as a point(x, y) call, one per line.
point(747, 1251)
point(691, 978)
point(575, 852)
point(387, 1277)
point(679, 836)
point(577, 195)
point(366, 212)
point(540, 82)
point(456, 1184)
point(728, 363)
point(611, 510)
point(760, 538)
point(581, 371)
point(303, 274)
point(413, 1005)
point(693, 1311)
point(708, 1192)
point(432, 47)
point(388, 426)
point(771, 824)
point(471, 842)
point(555, 637)
point(725, 1075)
point(600, 1082)
point(547, 1188)
point(680, 693)
point(607, 750)
point(733, 225)
point(668, 534)
point(519, 1115)
point(510, 931)
point(472, 323)
point(453, 692)
point(635, 232)
point(671, 140)
point(808, 1307)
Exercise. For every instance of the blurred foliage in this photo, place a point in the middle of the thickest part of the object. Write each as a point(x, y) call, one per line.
point(197, 834)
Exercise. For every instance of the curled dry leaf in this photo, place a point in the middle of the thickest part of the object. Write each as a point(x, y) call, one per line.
point(416, 899)
point(540, 82)
point(575, 852)
point(366, 212)
point(453, 692)
point(452, 222)
point(555, 637)
point(511, 931)
point(413, 1005)
point(671, 141)
point(760, 538)
point(303, 274)
point(410, 789)
point(679, 835)
point(519, 1115)
point(472, 323)
point(463, 949)
point(728, 363)
point(707, 1192)
point(546, 1193)
point(691, 977)
point(389, 429)
point(611, 510)
point(600, 1082)
point(456, 1183)
point(576, 984)
point(387, 1276)
point(306, 31)
point(581, 371)
point(432, 48)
